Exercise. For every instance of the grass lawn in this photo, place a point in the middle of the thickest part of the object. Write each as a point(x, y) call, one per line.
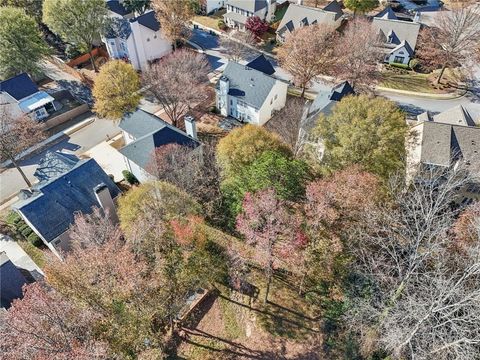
point(37, 255)
point(212, 20)
point(409, 81)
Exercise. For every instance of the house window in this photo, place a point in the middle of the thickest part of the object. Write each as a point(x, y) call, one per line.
point(276, 96)
point(399, 59)
point(148, 39)
point(155, 36)
point(231, 102)
point(271, 101)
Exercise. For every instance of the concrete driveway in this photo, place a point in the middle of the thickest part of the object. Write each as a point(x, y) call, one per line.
point(19, 257)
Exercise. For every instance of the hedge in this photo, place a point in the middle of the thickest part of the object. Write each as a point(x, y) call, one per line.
point(34, 239)
point(129, 177)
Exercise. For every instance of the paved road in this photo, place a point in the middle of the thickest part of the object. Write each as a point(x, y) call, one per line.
point(79, 142)
point(412, 104)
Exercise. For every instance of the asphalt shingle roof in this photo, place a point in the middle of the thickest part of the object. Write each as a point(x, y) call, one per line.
point(52, 206)
point(118, 28)
point(54, 164)
point(150, 132)
point(148, 20)
point(11, 281)
point(242, 19)
point(404, 30)
point(116, 7)
point(249, 85)
point(19, 87)
point(309, 15)
point(261, 63)
point(443, 142)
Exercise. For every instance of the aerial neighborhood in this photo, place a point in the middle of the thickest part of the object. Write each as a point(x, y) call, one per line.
point(240, 179)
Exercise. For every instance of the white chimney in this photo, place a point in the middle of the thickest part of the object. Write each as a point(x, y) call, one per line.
point(191, 126)
point(106, 202)
point(300, 2)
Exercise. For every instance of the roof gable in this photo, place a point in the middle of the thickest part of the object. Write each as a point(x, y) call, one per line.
point(299, 15)
point(19, 87)
point(403, 30)
point(387, 13)
point(140, 123)
point(148, 20)
point(261, 63)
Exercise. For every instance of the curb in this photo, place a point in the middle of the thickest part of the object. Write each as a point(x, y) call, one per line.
point(425, 95)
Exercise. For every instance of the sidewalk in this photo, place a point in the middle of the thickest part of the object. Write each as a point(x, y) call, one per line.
point(455, 95)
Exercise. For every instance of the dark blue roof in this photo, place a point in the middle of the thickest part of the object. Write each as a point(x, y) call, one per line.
point(148, 20)
point(19, 87)
point(116, 7)
point(118, 28)
point(11, 281)
point(52, 207)
point(341, 90)
point(261, 63)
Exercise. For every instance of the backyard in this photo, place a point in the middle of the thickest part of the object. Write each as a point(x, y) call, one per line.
point(212, 20)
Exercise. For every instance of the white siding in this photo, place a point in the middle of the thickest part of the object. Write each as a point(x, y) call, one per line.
point(399, 53)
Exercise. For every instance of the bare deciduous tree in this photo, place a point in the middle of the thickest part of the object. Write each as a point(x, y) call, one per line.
point(236, 45)
point(45, 325)
point(455, 38)
point(308, 53)
point(16, 135)
point(174, 16)
point(196, 172)
point(287, 122)
point(358, 56)
point(177, 81)
point(421, 303)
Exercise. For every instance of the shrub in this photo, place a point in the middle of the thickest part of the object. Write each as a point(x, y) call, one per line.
point(34, 239)
point(13, 218)
point(22, 227)
point(72, 51)
point(221, 24)
point(129, 177)
point(414, 64)
point(401, 66)
point(27, 232)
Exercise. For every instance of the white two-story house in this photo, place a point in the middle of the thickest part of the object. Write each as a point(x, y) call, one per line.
point(138, 40)
point(249, 95)
point(209, 6)
point(238, 11)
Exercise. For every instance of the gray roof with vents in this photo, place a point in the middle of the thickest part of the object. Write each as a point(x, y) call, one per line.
point(443, 142)
point(308, 15)
point(247, 84)
point(404, 30)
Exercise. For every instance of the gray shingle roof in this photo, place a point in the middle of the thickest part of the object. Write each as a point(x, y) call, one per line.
point(150, 132)
point(148, 20)
point(140, 123)
point(296, 13)
point(52, 206)
point(404, 30)
point(443, 142)
point(249, 5)
point(405, 45)
point(54, 164)
point(247, 84)
point(11, 281)
point(457, 115)
point(387, 13)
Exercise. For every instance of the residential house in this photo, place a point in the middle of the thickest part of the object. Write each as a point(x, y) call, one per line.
point(116, 9)
point(139, 40)
point(248, 94)
point(22, 96)
point(323, 103)
point(238, 11)
point(457, 115)
point(446, 145)
point(11, 281)
point(298, 16)
point(143, 133)
point(210, 6)
point(399, 37)
point(67, 186)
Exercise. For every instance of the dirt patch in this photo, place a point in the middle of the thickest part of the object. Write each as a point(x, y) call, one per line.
point(235, 327)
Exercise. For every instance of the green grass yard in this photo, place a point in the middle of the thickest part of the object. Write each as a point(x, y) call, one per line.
point(212, 20)
point(409, 81)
